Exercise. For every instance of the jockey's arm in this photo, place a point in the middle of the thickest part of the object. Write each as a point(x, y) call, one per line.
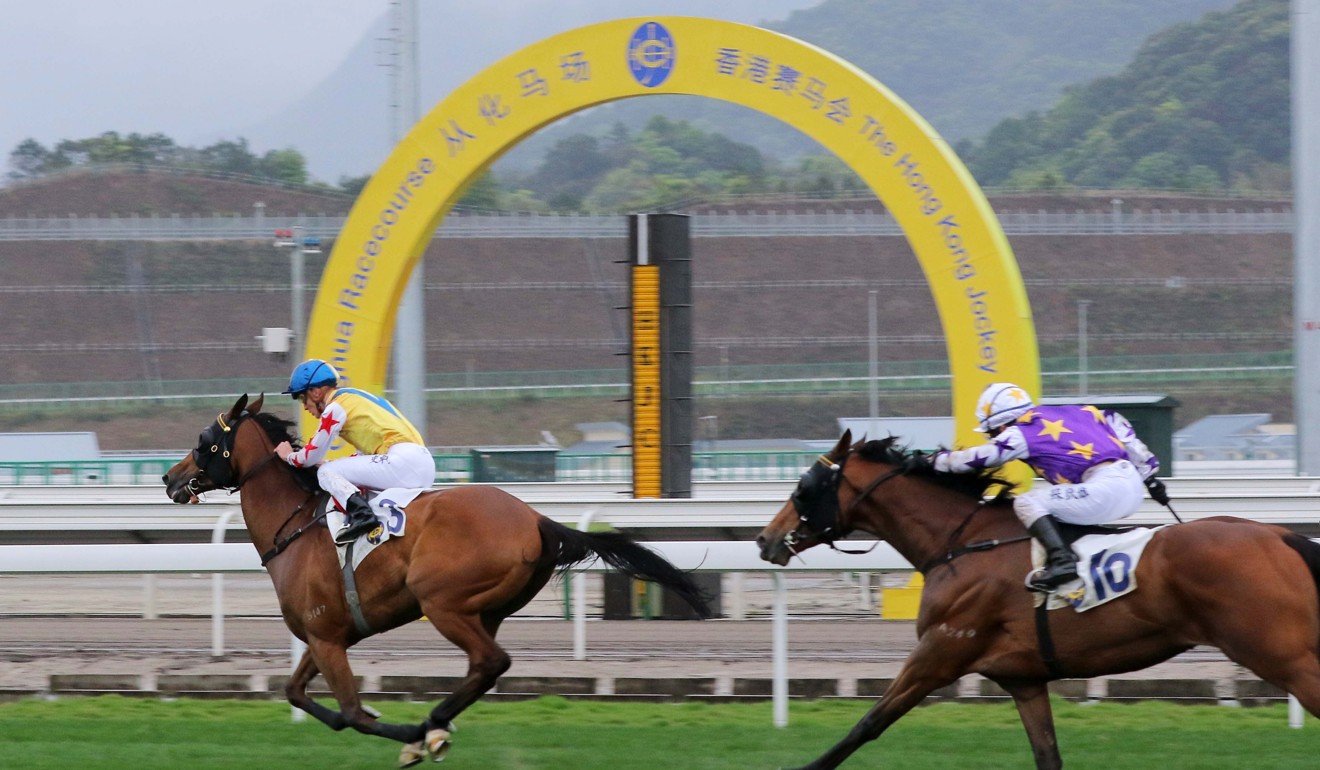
point(1145, 460)
point(1008, 445)
point(332, 421)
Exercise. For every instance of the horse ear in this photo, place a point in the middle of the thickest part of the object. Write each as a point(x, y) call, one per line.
point(845, 443)
point(255, 406)
point(237, 408)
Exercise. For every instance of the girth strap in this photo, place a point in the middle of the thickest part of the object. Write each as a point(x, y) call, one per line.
point(351, 594)
point(1046, 640)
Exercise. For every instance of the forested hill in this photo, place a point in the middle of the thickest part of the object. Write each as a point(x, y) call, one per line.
point(963, 65)
point(1202, 105)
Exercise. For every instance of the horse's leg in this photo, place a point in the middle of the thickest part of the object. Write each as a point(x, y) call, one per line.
point(1295, 671)
point(486, 660)
point(331, 658)
point(296, 693)
point(1033, 704)
point(934, 663)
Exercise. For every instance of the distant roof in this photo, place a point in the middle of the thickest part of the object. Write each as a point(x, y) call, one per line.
point(1115, 400)
point(596, 448)
point(1214, 429)
point(612, 425)
point(48, 447)
point(913, 432)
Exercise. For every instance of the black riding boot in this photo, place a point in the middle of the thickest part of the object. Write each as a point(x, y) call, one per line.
point(1060, 561)
point(360, 520)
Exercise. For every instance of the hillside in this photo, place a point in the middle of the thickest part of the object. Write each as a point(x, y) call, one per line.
point(1202, 105)
point(89, 191)
point(963, 66)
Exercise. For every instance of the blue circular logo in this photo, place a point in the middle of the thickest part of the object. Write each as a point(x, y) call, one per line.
point(651, 54)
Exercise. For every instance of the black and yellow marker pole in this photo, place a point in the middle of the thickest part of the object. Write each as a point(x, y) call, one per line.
point(661, 355)
point(646, 380)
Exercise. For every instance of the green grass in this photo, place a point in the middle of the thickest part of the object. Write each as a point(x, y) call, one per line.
point(135, 734)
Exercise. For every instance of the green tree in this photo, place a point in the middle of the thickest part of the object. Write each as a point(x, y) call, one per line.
point(287, 166)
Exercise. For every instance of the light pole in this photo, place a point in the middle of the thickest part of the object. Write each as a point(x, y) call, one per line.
point(300, 245)
point(1082, 388)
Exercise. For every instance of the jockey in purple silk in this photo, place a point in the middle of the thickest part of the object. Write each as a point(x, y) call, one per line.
point(1092, 458)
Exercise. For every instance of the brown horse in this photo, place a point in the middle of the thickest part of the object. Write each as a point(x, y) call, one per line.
point(1247, 588)
point(471, 557)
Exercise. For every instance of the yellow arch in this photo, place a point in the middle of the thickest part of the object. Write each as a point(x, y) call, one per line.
point(948, 222)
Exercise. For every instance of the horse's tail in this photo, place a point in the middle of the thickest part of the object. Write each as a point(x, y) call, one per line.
point(1309, 551)
point(568, 547)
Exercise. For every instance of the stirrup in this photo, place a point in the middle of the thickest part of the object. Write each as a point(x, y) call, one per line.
point(1035, 581)
point(355, 529)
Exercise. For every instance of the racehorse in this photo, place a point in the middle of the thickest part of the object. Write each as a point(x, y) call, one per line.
point(470, 557)
point(1249, 589)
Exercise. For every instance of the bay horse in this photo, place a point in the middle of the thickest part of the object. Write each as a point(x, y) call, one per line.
point(470, 557)
point(1249, 589)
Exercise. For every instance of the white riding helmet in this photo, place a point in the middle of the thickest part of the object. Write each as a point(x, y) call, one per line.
point(1001, 403)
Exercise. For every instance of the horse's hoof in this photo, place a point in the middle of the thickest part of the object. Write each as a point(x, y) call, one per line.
point(411, 754)
point(371, 712)
point(437, 744)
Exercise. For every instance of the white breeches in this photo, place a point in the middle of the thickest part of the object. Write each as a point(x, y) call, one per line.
point(1107, 493)
point(404, 465)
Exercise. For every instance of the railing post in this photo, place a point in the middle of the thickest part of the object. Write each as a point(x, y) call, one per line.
point(296, 650)
point(779, 651)
point(580, 597)
point(218, 590)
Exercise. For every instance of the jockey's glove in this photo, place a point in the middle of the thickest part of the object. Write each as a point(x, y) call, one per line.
point(1158, 492)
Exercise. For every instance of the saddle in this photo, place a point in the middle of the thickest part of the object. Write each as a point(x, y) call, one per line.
point(1071, 533)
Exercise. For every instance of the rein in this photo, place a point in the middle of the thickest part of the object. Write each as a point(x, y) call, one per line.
point(952, 552)
point(282, 544)
point(229, 433)
point(828, 536)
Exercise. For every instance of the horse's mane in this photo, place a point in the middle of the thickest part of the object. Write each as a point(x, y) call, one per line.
point(277, 428)
point(917, 463)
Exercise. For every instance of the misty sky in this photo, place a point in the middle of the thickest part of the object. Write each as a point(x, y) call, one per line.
point(75, 68)
point(280, 73)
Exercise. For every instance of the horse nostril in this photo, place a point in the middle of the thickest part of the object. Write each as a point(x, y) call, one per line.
point(760, 540)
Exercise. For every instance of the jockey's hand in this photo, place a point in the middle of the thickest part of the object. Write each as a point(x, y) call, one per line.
point(284, 450)
point(1158, 492)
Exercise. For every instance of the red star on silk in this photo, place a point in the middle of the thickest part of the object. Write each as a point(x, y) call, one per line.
point(327, 423)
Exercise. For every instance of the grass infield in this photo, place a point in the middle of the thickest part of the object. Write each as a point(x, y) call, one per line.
point(134, 734)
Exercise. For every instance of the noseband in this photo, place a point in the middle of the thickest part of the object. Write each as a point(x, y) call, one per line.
point(216, 462)
point(816, 501)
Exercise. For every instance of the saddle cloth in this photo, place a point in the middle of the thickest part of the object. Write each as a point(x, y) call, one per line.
point(388, 505)
point(1106, 566)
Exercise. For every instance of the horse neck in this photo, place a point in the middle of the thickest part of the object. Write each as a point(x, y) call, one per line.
point(914, 515)
point(270, 495)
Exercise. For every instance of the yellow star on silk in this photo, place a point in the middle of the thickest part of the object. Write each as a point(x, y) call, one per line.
point(1099, 415)
point(1087, 451)
point(1053, 428)
point(1117, 440)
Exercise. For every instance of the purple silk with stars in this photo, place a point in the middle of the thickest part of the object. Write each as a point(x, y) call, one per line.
point(1064, 442)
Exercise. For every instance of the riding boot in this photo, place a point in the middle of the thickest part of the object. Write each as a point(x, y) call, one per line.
point(360, 520)
point(1060, 561)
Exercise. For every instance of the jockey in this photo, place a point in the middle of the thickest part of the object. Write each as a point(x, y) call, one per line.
point(392, 452)
point(1091, 457)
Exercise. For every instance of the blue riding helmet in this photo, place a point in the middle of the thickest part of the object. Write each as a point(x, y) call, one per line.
point(310, 374)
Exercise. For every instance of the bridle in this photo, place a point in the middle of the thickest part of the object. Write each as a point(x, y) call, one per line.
point(214, 463)
point(816, 500)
